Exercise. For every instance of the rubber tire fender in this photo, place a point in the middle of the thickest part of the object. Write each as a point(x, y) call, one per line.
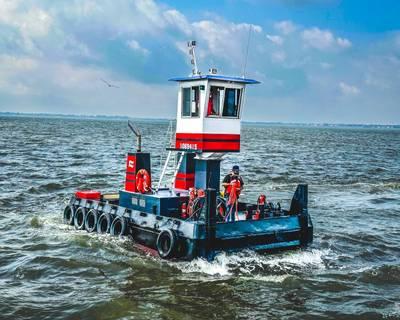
point(107, 218)
point(80, 225)
point(68, 216)
point(166, 244)
point(95, 214)
point(118, 220)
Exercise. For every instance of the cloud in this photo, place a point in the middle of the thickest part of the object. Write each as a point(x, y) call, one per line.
point(11, 68)
point(278, 56)
point(225, 40)
point(278, 40)
point(31, 23)
point(135, 46)
point(177, 19)
point(285, 27)
point(323, 39)
point(348, 90)
point(344, 43)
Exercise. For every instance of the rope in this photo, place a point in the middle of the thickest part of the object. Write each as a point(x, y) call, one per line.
point(233, 201)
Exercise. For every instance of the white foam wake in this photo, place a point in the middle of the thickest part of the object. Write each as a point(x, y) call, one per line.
point(250, 263)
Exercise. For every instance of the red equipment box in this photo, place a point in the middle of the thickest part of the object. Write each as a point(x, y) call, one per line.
point(88, 194)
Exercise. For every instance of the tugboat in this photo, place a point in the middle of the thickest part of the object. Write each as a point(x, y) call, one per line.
point(191, 218)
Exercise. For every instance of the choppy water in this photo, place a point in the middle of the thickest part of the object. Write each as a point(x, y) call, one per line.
point(50, 271)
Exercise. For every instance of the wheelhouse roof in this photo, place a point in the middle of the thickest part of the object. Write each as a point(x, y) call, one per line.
point(215, 77)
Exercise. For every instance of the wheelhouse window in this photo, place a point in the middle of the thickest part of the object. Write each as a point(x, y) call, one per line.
point(190, 101)
point(215, 101)
point(231, 102)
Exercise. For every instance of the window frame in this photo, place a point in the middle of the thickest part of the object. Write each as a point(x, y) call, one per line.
point(191, 115)
point(219, 114)
point(239, 103)
point(221, 107)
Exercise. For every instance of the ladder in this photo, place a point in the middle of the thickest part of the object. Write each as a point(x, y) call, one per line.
point(164, 170)
point(177, 168)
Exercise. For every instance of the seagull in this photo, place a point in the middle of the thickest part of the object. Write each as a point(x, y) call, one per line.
point(109, 84)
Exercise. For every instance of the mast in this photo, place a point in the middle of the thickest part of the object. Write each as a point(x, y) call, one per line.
point(192, 45)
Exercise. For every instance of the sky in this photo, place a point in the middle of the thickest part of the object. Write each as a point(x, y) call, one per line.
point(318, 61)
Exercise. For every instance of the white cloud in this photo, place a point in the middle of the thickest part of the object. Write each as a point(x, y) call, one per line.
point(11, 68)
point(344, 43)
point(225, 40)
point(135, 46)
point(32, 23)
point(177, 19)
point(278, 40)
point(348, 90)
point(278, 56)
point(285, 26)
point(13, 63)
point(323, 39)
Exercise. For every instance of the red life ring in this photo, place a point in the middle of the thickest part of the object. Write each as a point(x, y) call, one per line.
point(143, 181)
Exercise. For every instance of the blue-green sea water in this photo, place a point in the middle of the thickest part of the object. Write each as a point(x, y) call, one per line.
point(50, 271)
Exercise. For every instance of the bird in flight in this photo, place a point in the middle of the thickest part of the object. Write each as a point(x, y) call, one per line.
point(109, 84)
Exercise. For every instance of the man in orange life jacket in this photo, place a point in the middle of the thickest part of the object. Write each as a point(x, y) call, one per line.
point(232, 180)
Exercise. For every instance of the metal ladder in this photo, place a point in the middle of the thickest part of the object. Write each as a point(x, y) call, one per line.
point(170, 136)
point(177, 168)
point(182, 155)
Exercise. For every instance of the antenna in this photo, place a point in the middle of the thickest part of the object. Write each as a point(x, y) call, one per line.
point(247, 52)
point(138, 135)
point(192, 45)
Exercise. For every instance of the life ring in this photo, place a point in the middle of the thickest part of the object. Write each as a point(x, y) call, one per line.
point(143, 181)
point(166, 244)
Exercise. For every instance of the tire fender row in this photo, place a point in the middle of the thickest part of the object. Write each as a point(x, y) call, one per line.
point(94, 216)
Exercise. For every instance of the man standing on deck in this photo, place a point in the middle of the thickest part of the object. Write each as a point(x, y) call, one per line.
point(233, 184)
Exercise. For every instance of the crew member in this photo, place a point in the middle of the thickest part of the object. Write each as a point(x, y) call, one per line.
point(233, 184)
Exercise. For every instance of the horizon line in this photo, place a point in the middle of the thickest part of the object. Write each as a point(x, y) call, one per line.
point(121, 117)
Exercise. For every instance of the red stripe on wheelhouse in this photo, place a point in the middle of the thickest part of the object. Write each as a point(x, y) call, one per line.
point(208, 142)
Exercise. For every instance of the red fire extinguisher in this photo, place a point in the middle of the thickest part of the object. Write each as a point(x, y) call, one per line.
point(184, 211)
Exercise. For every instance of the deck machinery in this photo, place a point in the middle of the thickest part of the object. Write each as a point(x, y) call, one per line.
point(157, 218)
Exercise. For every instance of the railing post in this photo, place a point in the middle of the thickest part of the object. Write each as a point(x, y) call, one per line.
point(211, 209)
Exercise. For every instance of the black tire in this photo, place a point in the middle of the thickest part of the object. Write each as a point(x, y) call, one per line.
point(91, 220)
point(118, 227)
point(104, 223)
point(68, 216)
point(79, 218)
point(166, 244)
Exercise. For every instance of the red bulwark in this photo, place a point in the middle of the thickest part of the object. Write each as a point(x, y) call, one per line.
point(130, 178)
point(208, 142)
point(88, 194)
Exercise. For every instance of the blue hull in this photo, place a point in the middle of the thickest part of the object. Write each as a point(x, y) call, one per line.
point(201, 238)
